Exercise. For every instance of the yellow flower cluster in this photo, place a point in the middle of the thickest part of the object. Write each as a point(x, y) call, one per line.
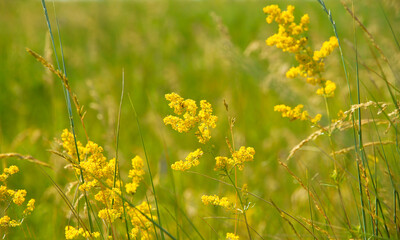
point(216, 201)
point(6, 221)
point(238, 159)
point(8, 172)
point(311, 63)
point(232, 236)
point(287, 38)
point(296, 113)
point(328, 90)
point(326, 49)
point(136, 173)
point(98, 171)
point(141, 225)
point(72, 233)
point(191, 160)
point(204, 120)
point(16, 196)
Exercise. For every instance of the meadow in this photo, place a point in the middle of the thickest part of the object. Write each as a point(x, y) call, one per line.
point(333, 178)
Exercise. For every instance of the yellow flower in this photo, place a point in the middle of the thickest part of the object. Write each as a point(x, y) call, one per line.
point(232, 236)
point(289, 38)
point(29, 207)
point(19, 197)
point(72, 233)
point(316, 119)
point(328, 90)
point(109, 215)
point(4, 221)
point(292, 114)
point(223, 163)
point(141, 223)
point(191, 160)
point(216, 201)
point(326, 49)
point(204, 120)
point(243, 155)
point(11, 170)
point(136, 173)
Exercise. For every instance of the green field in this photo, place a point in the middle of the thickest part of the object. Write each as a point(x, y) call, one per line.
point(212, 50)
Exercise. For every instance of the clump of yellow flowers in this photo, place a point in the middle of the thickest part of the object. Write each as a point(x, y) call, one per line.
point(291, 38)
point(8, 197)
point(296, 113)
point(97, 175)
point(187, 118)
point(204, 120)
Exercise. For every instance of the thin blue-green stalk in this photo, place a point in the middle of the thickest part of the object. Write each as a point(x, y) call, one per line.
point(67, 97)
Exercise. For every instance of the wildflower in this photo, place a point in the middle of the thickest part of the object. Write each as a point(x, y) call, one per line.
point(141, 223)
point(316, 119)
point(232, 236)
point(204, 120)
point(4, 221)
point(19, 197)
point(11, 170)
point(191, 160)
point(72, 233)
point(207, 121)
point(243, 155)
point(136, 173)
point(328, 90)
point(29, 207)
point(8, 172)
point(223, 163)
point(289, 38)
point(292, 114)
point(109, 214)
point(216, 201)
point(326, 49)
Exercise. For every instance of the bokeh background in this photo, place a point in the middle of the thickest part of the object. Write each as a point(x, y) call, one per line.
point(213, 50)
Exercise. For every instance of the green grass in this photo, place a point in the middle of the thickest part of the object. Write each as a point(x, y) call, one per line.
point(177, 46)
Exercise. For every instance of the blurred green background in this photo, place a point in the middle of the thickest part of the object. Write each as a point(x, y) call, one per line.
point(211, 50)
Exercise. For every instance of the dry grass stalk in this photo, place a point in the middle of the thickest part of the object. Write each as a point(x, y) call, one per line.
point(64, 79)
point(369, 144)
point(342, 125)
point(24, 157)
point(308, 222)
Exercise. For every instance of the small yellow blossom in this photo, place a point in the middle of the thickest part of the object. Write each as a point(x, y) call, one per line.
point(216, 201)
point(109, 215)
point(292, 114)
point(243, 155)
point(191, 160)
point(30, 207)
point(223, 163)
point(6, 221)
point(136, 173)
point(326, 49)
point(72, 233)
point(232, 236)
point(204, 120)
point(316, 119)
point(328, 90)
point(19, 197)
point(11, 170)
point(141, 223)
